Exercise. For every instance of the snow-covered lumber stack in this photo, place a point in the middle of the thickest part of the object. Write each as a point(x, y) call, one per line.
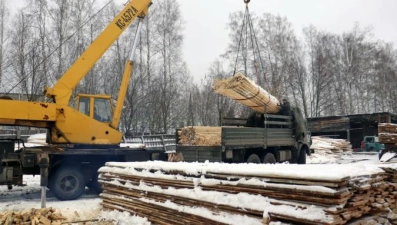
point(46, 216)
point(330, 145)
point(245, 91)
point(217, 193)
point(387, 133)
point(328, 149)
point(200, 135)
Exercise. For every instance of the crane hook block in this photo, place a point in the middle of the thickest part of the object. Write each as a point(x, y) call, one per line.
point(247, 1)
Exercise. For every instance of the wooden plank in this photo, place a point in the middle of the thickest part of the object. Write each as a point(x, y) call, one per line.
point(136, 193)
point(351, 198)
point(331, 221)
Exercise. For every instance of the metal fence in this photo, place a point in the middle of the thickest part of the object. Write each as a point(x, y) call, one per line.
point(166, 142)
point(20, 133)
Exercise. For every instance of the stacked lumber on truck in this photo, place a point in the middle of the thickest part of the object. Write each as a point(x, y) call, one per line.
point(200, 135)
point(46, 216)
point(387, 133)
point(217, 193)
point(245, 91)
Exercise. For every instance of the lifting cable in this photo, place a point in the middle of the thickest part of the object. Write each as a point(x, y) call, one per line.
point(63, 42)
point(247, 24)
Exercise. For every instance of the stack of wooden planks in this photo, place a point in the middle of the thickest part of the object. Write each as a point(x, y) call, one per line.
point(387, 133)
point(245, 91)
point(46, 216)
point(200, 135)
point(330, 145)
point(216, 193)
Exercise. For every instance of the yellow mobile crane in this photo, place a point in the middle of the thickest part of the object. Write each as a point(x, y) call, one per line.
point(79, 142)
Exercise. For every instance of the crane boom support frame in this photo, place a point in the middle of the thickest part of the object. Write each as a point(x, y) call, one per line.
point(62, 90)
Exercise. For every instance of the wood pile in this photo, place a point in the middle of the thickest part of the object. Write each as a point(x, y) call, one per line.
point(326, 124)
point(200, 135)
point(330, 145)
point(387, 133)
point(46, 216)
point(245, 91)
point(387, 128)
point(216, 193)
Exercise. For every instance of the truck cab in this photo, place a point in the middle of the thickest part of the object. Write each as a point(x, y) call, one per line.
point(371, 144)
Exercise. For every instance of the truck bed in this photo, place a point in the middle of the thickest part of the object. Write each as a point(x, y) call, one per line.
point(251, 137)
point(193, 153)
point(238, 138)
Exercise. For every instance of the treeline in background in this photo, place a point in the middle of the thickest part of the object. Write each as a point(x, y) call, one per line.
point(323, 73)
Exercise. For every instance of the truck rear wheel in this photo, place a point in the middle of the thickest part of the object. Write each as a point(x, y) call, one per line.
point(67, 183)
point(269, 158)
point(254, 158)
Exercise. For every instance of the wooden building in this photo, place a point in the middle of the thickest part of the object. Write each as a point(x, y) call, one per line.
point(350, 127)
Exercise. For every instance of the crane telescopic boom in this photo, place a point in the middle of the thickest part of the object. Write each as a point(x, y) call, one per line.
point(92, 120)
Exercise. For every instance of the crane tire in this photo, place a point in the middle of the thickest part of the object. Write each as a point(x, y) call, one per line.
point(67, 183)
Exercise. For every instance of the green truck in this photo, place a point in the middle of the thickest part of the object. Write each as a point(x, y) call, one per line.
point(371, 144)
point(280, 139)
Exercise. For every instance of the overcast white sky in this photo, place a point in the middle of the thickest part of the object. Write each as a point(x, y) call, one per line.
point(205, 30)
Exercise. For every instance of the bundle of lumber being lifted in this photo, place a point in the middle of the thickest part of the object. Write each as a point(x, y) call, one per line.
point(245, 91)
point(200, 135)
point(216, 193)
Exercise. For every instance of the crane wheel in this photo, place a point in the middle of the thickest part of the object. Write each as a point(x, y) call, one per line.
point(67, 183)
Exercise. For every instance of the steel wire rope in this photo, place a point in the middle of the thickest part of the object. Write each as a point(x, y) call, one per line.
point(67, 39)
point(253, 35)
point(245, 55)
point(247, 24)
point(239, 43)
point(9, 62)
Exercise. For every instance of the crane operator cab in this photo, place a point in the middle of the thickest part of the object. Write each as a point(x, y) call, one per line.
point(98, 107)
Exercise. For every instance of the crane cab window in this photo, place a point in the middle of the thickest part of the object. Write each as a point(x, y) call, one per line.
point(102, 110)
point(84, 105)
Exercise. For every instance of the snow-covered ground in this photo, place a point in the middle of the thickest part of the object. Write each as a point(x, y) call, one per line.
point(89, 207)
